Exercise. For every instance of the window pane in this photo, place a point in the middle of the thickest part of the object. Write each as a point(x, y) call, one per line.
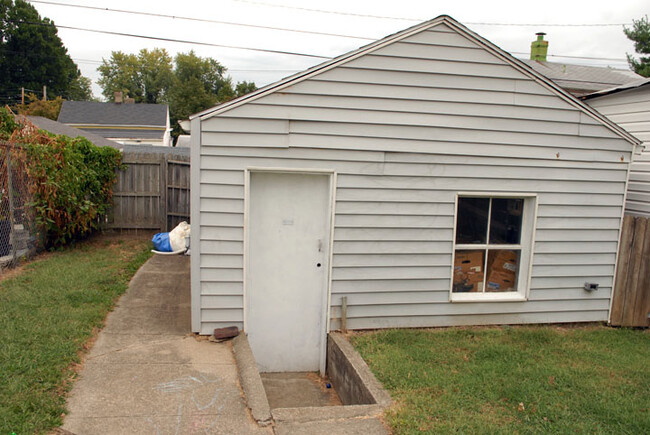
point(468, 271)
point(471, 221)
point(502, 270)
point(505, 222)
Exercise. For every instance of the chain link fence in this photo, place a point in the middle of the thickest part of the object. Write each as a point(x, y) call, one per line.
point(18, 237)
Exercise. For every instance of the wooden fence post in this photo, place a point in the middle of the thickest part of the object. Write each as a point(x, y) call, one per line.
point(163, 193)
point(631, 303)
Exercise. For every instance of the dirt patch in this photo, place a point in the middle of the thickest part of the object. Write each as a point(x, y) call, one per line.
point(11, 272)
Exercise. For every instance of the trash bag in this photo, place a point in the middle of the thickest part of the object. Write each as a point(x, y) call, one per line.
point(177, 236)
point(161, 242)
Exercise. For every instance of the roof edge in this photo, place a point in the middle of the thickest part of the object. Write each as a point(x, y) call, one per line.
point(632, 85)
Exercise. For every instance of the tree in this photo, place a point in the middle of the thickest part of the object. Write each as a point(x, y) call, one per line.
point(31, 53)
point(640, 34)
point(188, 85)
point(200, 84)
point(80, 89)
point(244, 88)
point(146, 77)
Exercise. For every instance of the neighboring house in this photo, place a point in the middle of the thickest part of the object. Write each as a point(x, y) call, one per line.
point(629, 107)
point(59, 128)
point(124, 123)
point(430, 178)
point(581, 80)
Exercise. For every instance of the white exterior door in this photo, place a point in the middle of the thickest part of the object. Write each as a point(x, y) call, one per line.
point(287, 270)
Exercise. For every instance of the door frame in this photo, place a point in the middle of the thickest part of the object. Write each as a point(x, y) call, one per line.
point(327, 281)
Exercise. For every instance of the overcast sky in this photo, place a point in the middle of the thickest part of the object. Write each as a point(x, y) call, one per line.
point(501, 22)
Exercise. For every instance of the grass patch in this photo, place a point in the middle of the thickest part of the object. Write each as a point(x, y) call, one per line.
point(529, 379)
point(50, 310)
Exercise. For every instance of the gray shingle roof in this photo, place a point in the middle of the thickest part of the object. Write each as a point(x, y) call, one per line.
point(92, 116)
point(91, 112)
point(645, 81)
point(59, 128)
point(580, 79)
point(131, 133)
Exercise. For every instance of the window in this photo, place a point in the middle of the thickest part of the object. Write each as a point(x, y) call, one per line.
point(492, 251)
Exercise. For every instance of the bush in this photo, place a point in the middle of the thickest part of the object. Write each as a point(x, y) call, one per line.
point(71, 181)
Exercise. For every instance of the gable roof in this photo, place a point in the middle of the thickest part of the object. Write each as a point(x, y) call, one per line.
point(92, 112)
point(581, 79)
point(442, 19)
point(632, 85)
point(59, 128)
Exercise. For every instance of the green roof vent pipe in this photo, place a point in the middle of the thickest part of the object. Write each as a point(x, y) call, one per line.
point(539, 48)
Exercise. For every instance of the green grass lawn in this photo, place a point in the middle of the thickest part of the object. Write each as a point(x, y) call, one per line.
point(529, 379)
point(50, 309)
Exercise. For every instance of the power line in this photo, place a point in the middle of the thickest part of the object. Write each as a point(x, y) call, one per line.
point(328, 12)
point(385, 17)
point(259, 49)
point(181, 41)
point(578, 57)
point(99, 62)
point(203, 20)
point(551, 24)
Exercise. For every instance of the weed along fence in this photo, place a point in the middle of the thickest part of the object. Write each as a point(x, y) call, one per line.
point(17, 228)
point(631, 304)
point(153, 192)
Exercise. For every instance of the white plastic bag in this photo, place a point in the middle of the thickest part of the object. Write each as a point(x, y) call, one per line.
point(177, 236)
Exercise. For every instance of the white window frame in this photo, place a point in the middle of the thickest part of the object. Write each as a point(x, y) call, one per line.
point(527, 242)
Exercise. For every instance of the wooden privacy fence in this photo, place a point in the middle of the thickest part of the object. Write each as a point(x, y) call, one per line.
point(153, 192)
point(631, 304)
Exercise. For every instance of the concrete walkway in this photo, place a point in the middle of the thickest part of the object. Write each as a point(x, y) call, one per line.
point(147, 374)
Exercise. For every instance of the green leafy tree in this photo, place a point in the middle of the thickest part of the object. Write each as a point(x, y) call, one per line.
point(80, 90)
point(146, 77)
point(188, 85)
point(640, 34)
point(31, 53)
point(244, 88)
point(200, 83)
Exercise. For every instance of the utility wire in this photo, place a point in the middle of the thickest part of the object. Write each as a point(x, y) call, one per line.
point(99, 62)
point(273, 5)
point(577, 57)
point(339, 35)
point(274, 28)
point(202, 20)
point(328, 12)
point(182, 41)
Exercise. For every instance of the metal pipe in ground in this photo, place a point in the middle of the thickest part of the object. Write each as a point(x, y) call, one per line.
point(344, 314)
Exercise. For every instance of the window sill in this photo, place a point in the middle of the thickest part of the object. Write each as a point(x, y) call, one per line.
point(488, 297)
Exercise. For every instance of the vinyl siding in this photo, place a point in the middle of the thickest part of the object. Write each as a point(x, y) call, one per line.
point(631, 110)
point(406, 128)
